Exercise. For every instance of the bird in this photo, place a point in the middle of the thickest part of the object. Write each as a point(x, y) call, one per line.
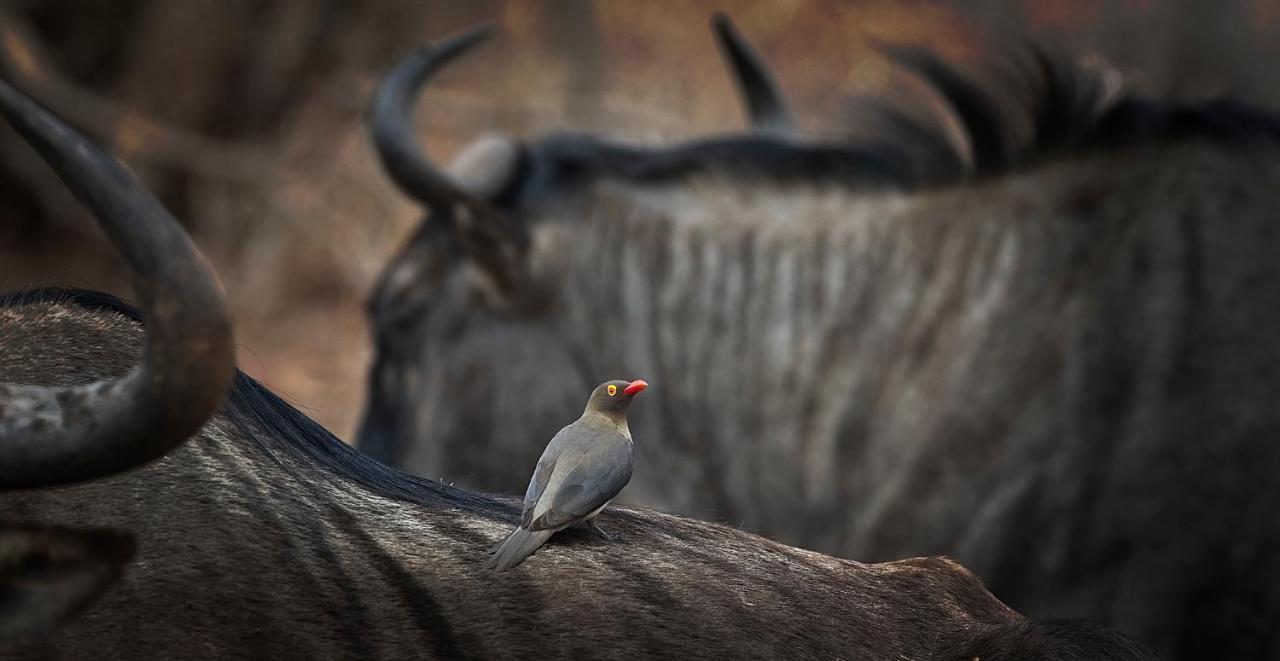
point(584, 466)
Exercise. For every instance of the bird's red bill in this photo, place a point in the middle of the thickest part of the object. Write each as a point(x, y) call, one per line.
point(635, 387)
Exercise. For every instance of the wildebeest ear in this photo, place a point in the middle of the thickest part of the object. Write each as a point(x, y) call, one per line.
point(47, 575)
point(494, 243)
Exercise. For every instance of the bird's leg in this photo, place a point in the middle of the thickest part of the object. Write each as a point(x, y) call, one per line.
point(599, 532)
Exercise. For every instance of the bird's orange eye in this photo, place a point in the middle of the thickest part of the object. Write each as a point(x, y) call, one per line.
point(613, 390)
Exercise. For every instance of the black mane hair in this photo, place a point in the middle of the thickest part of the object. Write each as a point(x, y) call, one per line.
point(1025, 107)
point(253, 407)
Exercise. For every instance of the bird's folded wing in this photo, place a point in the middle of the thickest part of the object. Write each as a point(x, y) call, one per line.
point(582, 492)
point(541, 475)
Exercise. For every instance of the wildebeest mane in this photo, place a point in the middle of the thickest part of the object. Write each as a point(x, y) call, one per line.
point(1028, 105)
point(1031, 103)
point(255, 409)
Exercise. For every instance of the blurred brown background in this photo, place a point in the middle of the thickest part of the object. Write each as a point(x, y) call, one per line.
point(246, 117)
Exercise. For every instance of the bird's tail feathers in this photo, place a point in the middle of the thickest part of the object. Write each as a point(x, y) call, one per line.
point(520, 544)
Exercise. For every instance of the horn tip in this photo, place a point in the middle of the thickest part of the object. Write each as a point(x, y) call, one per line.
point(723, 27)
point(468, 37)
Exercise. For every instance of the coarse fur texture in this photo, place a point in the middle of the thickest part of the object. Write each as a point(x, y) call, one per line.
point(1046, 348)
point(265, 537)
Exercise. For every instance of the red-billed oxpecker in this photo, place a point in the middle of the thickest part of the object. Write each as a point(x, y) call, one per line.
point(584, 466)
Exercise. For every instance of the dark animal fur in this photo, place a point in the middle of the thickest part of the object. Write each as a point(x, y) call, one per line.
point(1047, 348)
point(265, 537)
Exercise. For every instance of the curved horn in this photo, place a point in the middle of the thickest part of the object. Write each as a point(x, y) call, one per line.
point(57, 435)
point(392, 122)
point(494, 242)
point(765, 104)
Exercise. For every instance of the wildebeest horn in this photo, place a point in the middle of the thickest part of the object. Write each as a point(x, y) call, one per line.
point(766, 107)
point(493, 241)
point(57, 435)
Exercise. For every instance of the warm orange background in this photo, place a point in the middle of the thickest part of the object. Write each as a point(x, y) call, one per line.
point(246, 118)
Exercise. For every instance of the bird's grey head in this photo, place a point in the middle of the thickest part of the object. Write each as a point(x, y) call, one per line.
point(613, 397)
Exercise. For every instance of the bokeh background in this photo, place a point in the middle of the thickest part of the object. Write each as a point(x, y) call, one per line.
point(246, 117)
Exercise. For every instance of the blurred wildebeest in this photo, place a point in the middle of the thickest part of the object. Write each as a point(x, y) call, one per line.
point(266, 537)
point(1046, 346)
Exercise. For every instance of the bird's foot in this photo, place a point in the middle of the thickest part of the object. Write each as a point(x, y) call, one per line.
point(599, 532)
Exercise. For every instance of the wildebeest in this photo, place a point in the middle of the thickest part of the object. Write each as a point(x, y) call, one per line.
point(1047, 347)
point(57, 433)
point(264, 536)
